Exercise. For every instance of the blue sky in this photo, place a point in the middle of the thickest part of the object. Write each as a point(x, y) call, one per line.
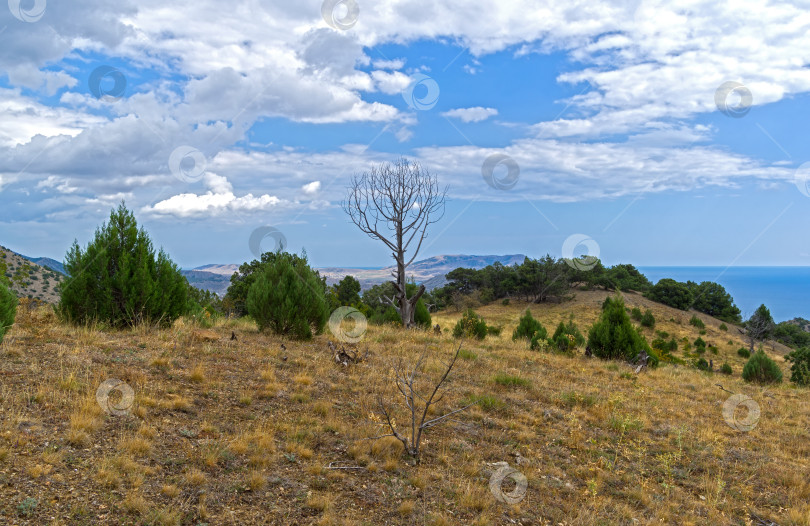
point(609, 110)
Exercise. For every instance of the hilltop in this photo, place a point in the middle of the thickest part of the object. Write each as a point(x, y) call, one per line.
point(247, 432)
point(29, 279)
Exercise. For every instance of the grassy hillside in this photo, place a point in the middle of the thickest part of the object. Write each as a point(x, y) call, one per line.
point(30, 280)
point(245, 432)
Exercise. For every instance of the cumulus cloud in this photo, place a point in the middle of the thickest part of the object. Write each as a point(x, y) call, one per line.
point(639, 69)
point(218, 200)
point(475, 114)
point(311, 188)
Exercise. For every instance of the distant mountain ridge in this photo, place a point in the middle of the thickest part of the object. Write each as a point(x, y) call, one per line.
point(216, 283)
point(222, 270)
point(430, 271)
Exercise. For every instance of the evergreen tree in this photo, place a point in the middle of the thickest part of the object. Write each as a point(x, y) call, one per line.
point(471, 325)
point(528, 328)
point(800, 370)
point(672, 293)
point(348, 291)
point(421, 315)
point(567, 337)
point(8, 309)
point(712, 299)
point(613, 335)
point(118, 279)
point(288, 297)
point(759, 326)
point(241, 281)
point(761, 369)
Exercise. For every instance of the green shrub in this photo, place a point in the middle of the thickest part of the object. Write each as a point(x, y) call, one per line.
point(573, 398)
point(204, 307)
point(761, 369)
point(700, 345)
point(726, 369)
point(538, 343)
point(635, 313)
point(528, 328)
point(471, 325)
point(567, 337)
point(488, 403)
point(745, 353)
point(723, 327)
point(118, 278)
point(486, 295)
point(697, 322)
point(505, 301)
point(648, 320)
point(466, 354)
point(495, 331)
point(511, 380)
point(421, 315)
point(241, 281)
point(800, 370)
point(289, 298)
point(389, 315)
point(613, 335)
point(702, 364)
point(8, 309)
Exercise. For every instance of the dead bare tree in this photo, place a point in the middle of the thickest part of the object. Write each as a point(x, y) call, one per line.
point(758, 327)
point(395, 203)
point(418, 405)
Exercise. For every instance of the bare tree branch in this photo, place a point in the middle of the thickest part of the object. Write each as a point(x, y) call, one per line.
point(405, 382)
point(395, 203)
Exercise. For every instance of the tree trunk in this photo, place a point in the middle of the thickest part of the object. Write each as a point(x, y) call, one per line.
point(407, 306)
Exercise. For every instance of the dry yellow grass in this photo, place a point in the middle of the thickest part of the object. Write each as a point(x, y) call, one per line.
point(229, 432)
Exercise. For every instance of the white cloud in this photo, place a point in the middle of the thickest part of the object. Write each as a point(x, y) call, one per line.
point(24, 118)
point(643, 67)
point(311, 188)
point(60, 184)
point(390, 83)
point(219, 199)
point(476, 114)
point(398, 63)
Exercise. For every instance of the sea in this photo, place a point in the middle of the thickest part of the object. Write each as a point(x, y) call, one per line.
point(784, 290)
